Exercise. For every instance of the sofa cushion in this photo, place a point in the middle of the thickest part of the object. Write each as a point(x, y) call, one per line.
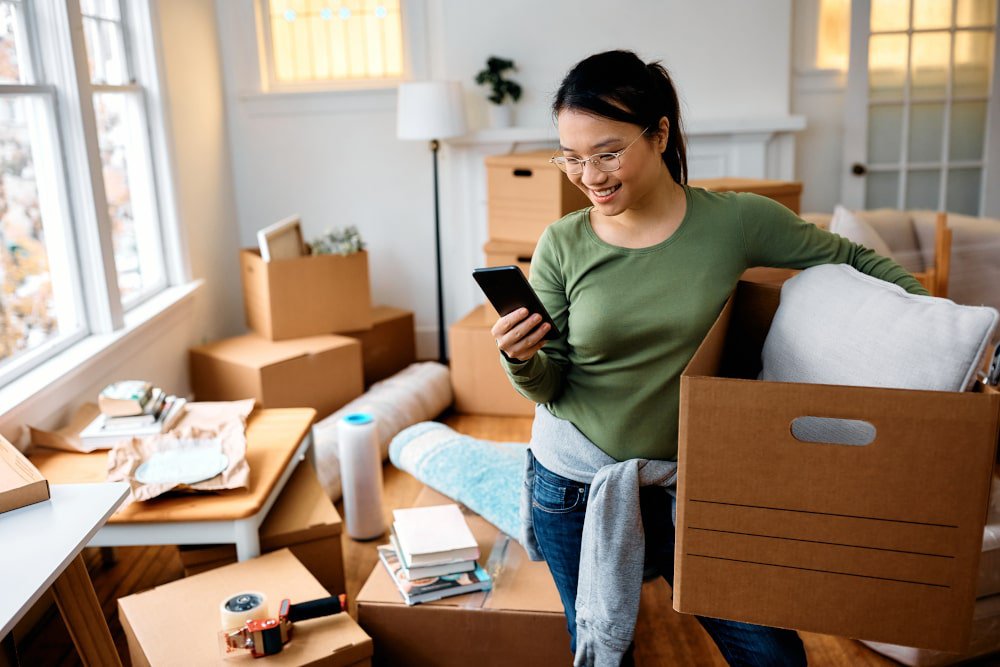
point(854, 228)
point(897, 230)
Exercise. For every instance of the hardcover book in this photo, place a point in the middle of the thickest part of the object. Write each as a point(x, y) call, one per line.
point(433, 535)
point(125, 398)
point(430, 570)
point(97, 435)
point(427, 589)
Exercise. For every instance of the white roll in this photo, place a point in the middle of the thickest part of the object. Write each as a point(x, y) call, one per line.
point(237, 609)
point(361, 470)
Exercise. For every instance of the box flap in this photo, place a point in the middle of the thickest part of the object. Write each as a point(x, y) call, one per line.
point(303, 512)
point(518, 583)
point(176, 623)
point(501, 247)
point(20, 482)
point(256, 351)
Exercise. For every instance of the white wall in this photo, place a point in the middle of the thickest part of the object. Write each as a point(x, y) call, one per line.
point(335, 160)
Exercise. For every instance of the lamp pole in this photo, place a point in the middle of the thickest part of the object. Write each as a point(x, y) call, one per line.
point(442, 350)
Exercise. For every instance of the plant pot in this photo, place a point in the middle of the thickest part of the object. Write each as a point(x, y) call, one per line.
point(501, 115)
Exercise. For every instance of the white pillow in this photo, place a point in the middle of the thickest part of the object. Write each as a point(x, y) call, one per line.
point(836, 325)
point(854, 228)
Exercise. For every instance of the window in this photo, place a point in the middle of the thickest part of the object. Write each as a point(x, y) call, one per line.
point(330, 43)
point(77, 186)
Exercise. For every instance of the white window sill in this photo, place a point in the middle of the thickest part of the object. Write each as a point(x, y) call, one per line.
point(55, 380)
point(329, 101)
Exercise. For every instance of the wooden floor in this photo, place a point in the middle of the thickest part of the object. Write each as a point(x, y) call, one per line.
point(663, 637)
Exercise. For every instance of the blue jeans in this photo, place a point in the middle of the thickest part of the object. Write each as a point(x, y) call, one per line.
point(558, 506)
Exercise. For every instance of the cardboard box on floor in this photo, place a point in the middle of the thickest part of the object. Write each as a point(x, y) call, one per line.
point(877, 542)
point(303, 520)
point(389, 346)
point(20, 482)
point(505, 253)
point(306, 296)
point(178, 623)
point(321, 372)
point(477, 378)
point(519, 622)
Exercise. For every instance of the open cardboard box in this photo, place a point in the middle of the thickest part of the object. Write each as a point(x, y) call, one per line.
point(877, 542)
point(20, 482)
point(519, 622)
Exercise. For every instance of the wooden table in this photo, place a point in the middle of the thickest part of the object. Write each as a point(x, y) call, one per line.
point(41, 548)
point(277, 439)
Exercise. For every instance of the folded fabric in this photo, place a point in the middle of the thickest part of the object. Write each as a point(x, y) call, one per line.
point(484, 476)
point(419, 392)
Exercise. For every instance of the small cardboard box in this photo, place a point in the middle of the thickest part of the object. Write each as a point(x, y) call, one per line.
point(477, 378)
point(389, 346)
point(303, 520)
point(787, 193)
point(178, 623)
point(306, 296)
point(877, 542)
point(20, 482)
point(505, 253)
point(519, 622)
point(526, 193)
point(321, 372)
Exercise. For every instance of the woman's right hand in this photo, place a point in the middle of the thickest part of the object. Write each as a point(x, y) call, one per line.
point(518, 334)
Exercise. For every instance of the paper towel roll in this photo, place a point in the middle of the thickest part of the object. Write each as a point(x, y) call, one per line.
point(237, 609)
point(361, 470)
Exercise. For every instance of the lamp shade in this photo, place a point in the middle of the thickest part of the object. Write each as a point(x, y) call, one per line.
point(430, 110)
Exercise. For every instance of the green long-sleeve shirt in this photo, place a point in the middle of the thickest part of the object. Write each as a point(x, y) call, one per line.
point(632, 318)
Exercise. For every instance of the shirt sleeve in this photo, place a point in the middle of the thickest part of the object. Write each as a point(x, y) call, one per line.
point(774, 236)
point(541, 378)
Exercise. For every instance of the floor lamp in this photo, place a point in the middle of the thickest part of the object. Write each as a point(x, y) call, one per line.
point(430, 111)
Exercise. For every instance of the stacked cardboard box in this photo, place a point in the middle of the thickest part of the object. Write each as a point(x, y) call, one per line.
point(526, 193)
point(519, 622)
point(303, 520)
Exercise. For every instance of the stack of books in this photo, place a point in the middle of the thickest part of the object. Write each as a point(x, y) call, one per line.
point(432, 554)
point(131, 409)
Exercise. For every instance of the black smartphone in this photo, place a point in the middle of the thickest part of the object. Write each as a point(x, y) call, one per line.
point(508, 289)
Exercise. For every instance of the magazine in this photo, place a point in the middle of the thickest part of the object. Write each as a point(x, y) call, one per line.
point(431, 588)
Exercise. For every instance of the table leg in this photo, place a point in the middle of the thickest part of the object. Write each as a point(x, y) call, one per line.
point(8, 651)
point(74, 593)
point(247, 539)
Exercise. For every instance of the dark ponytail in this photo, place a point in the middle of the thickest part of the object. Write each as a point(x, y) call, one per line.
point(620, 86)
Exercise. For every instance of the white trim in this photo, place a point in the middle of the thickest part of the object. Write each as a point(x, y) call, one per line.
point(852, 187)
point(64, 377)
point(989, 203)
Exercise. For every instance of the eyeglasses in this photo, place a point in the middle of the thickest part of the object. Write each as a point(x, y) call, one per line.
point(602, 161)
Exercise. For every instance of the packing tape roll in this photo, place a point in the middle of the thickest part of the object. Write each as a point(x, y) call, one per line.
point(236, 610)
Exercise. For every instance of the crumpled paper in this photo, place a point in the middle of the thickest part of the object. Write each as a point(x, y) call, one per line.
point(221, 422)
point(68, 437)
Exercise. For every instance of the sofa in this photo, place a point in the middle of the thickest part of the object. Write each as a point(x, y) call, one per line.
point(975, 253)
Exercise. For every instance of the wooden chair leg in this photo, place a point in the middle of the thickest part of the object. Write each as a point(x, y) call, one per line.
point(80, 609)
point(942, 255)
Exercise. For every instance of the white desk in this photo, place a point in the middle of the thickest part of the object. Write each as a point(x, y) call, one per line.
point(40, 547)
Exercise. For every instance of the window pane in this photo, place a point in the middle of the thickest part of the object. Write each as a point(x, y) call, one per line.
point(882, 189)
point(926, 131)
point(885, 133)
point(128, 185)
point(931, 14)
point(963, 191)
point(975, 12)
point(832, 41)
point(922, 188)
point(890, 15)
point(929, 63)
point(887, 66)
point(38, 304)
point(320, 41)
point(973, 63)
point(107, 9)
point(14, 62)
point(968, 130)
point(105, 51)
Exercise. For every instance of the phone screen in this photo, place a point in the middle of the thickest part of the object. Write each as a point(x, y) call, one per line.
point(508, 289)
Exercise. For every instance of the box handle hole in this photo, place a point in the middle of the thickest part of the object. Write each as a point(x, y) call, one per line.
point(522, 173)
point(524, 259)
point(833, 431)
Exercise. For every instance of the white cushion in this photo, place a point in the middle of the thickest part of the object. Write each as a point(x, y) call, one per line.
point(836, 325)
point(853, 228)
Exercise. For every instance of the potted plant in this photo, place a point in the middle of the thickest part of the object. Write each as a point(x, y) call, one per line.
point(501, 90)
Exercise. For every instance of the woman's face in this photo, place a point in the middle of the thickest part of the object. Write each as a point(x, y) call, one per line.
point(582, 135)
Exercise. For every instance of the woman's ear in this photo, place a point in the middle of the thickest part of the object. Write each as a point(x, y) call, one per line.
point(662, 133)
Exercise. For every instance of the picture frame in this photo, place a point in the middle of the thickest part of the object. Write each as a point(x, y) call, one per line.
point(281, 240)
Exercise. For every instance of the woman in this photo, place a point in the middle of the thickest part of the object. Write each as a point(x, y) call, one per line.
point(634, 283)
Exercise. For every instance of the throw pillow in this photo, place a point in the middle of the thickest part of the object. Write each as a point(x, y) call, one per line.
point(854, 228)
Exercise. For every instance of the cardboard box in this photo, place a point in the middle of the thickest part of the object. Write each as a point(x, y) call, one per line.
point(477, 378)
point(303, 520)
point(519, 622)
point(389, 346)
point(505, 253)
point(321, 372)
point(20, 482)
point(877, 542)
point(788, 193)
point(178, 623)
point(306, 296)
point(526, 193)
